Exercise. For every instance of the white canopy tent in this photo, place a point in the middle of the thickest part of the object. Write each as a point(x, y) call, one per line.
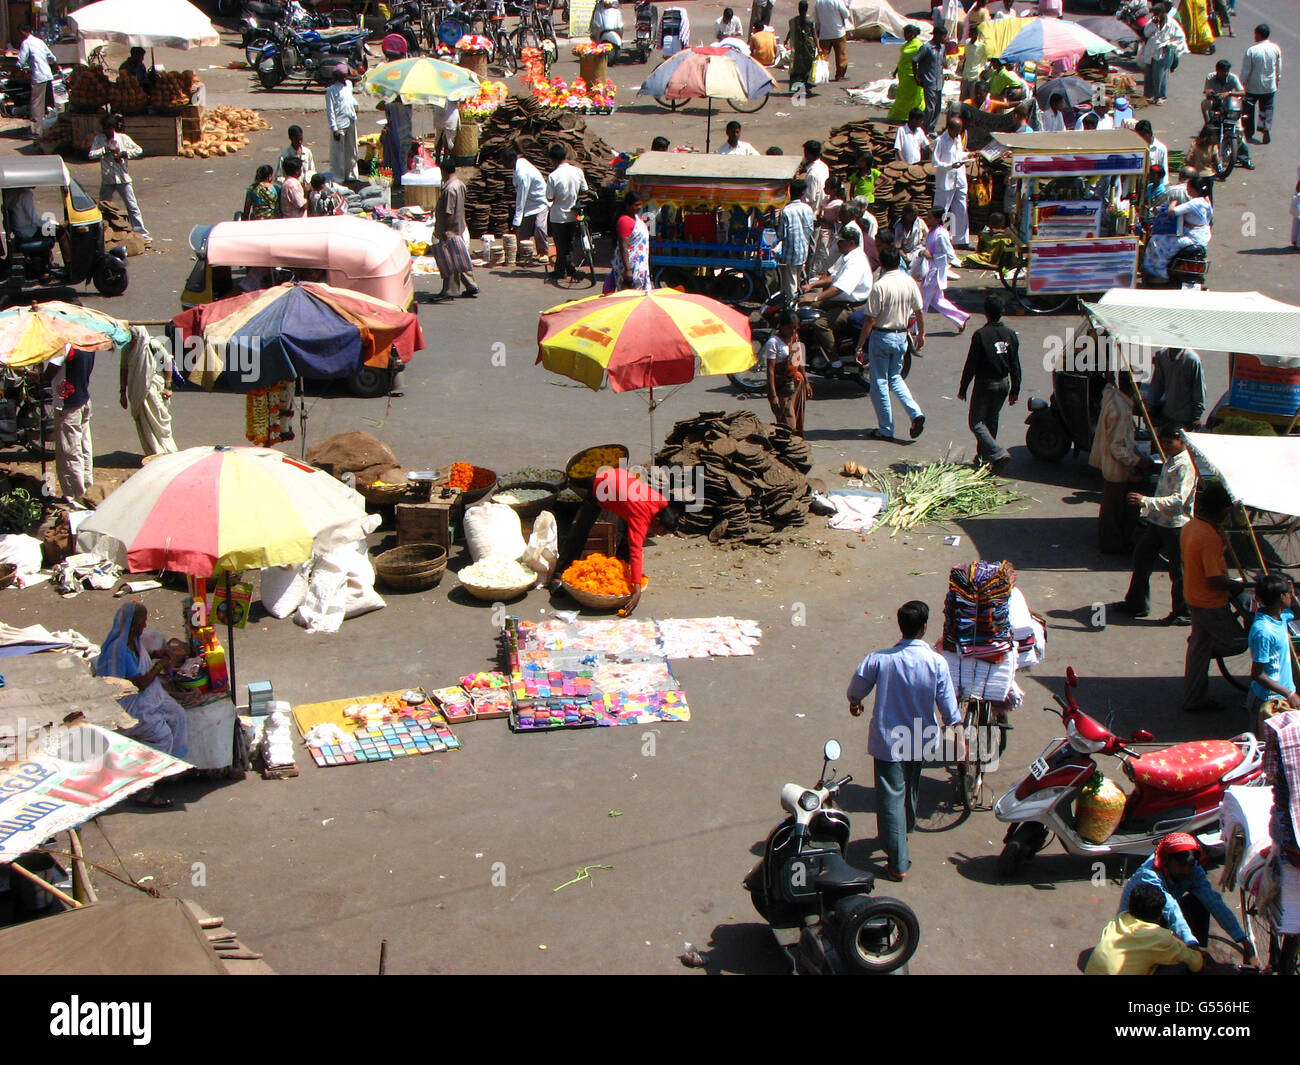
point(1244, 322)
point(1260, 471)
point(151, 24)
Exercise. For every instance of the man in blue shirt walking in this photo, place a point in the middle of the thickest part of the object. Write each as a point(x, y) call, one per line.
point(910, 680)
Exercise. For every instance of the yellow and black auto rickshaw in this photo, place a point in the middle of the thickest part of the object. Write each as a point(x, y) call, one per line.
point(45, 211)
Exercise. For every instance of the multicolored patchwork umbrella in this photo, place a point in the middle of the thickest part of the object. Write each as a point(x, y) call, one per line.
point(634, 340)
point(214, 510)
point(300, 329)
point(35, 334)
point(708, 74)
point(1050, 39)
point(208, 510)
point(421, 80)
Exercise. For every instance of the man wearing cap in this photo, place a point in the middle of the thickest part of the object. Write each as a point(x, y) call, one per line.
point(1175, 869)
point(1122, 112)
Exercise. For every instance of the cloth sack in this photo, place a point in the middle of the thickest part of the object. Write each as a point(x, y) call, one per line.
point(492, 530)
point(284, 588)
point(341, 586)
point(543, 549)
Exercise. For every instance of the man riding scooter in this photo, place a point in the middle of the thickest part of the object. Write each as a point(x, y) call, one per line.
point(837, 294)
point(1175, 869)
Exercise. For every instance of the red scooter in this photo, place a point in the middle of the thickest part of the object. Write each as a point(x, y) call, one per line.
point(1176, 789)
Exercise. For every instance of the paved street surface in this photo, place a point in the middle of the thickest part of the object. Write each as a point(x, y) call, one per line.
point(315, 872)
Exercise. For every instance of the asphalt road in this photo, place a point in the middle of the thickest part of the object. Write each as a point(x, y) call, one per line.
point(456, 858)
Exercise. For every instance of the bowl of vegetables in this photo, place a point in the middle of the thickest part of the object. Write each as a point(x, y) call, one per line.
point(531, 477)
point(527, 500)
point(496, 579)
point(473, 481)
point(599, 582)
point(581, 469)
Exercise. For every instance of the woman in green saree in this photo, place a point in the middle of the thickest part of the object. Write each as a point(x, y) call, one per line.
point(909, 94)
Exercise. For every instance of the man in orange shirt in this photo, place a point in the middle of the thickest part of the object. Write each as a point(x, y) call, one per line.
point(1206, 587)
point(643, 510)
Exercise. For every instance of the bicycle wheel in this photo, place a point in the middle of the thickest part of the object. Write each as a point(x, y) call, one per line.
point(526, 37)
point(748, 107)
point(505, 56)
point(977, 726)
point(672, 105)
point(1052, 303)
point(1227, 152)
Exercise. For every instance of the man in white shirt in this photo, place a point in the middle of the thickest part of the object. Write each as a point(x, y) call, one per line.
point(1007, 10)
point(733, 145)
point(727, 26)
point(1164, 42)
point(565, 185)
point(296, 149)
point(911, 140)
point(1261, 73)
point(531, 208)
point(838, 293)
point(446, 124)
point(895, 303)
point(341, 112)
point(1157, 152)
point(35, 57)
point(950, 190)
point(815, 173)
point(113, 148)
point(1054, 116)
point(833, 19)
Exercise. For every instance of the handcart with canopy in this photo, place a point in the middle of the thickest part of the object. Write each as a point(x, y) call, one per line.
point(714, 221)
point(1078, 196)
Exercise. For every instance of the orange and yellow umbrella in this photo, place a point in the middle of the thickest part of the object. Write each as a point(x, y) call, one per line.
point(637, 339)
point(37, 333)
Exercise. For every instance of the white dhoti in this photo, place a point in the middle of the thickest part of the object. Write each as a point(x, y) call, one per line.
point(953, 202)
point(343, 155)
point(148, 366)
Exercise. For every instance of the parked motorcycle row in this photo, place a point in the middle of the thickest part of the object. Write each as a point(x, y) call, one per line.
point(290, 42)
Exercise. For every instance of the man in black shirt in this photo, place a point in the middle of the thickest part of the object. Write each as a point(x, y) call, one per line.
point(993, 364)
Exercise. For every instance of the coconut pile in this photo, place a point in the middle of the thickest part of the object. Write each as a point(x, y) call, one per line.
point(224, 131)
point(753, 481)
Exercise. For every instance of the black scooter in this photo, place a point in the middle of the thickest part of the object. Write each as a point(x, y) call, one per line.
point(815, 901)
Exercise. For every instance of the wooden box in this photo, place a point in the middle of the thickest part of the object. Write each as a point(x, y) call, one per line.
point(156, 134)
point(604, 537)
point(84, 128)
point(426, 522)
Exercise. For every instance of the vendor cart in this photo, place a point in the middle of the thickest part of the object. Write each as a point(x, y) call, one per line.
point(713, 221)
point(1258, 334)
point(1077, 196)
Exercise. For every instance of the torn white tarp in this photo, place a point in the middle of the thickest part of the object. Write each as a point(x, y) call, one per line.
point(342, 585)
point(1260, 471)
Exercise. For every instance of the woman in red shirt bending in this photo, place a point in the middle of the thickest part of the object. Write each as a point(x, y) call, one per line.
point(643, 510)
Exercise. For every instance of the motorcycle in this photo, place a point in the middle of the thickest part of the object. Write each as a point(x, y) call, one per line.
point(26, 416)
point(647, 26)
point(311, 56)
point(755, 381)
point(815, 901)
point(405, 21)
point(260, 20)
point(1175, 789)
point(1135, 14)
point(1225, 125)
point(606, 27)
point(16, 95)
point(1189, 268)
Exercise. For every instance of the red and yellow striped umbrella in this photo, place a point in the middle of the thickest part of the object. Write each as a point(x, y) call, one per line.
point(638, 339)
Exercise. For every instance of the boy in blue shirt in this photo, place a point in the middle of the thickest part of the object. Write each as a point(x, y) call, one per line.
point(1271, 673)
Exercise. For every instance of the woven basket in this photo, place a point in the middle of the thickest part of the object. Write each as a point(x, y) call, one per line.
point(412, 567)
point(596, 602)
point(493, 595)
point(382, 495)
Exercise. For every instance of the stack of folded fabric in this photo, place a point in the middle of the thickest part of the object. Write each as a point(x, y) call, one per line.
point(980, 643)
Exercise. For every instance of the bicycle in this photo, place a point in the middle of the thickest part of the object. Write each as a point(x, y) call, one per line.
point(985, 742)
point(581, 257)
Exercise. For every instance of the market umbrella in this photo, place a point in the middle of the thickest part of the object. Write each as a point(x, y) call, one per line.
point(632, 339)
point(998, 33)
point(421, 80)
point(1076, 91)
point(708, 74)
point(1110, 28)
point(291, 331)
point(38, 332)
point(1049, 39)
point(212, 510)
point(156, 24)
